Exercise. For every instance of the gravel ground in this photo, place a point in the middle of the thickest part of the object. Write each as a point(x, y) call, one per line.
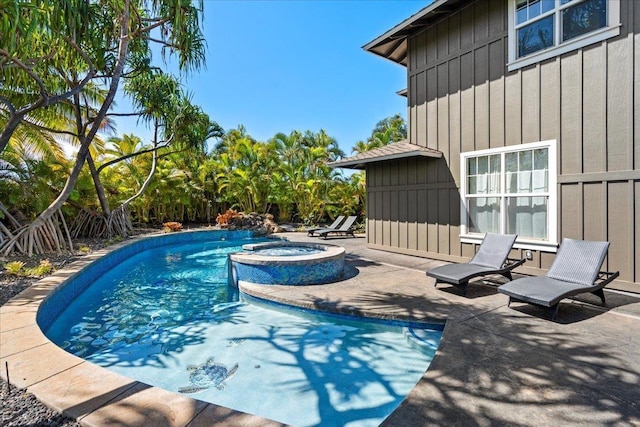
point(19, 407)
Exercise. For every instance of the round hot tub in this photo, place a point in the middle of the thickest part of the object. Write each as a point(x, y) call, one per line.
point(287, 263)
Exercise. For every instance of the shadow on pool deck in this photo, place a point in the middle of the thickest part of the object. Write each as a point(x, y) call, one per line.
point(495, 365)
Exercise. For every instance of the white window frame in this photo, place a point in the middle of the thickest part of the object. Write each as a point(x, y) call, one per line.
point(611, 30)
point(549, 245)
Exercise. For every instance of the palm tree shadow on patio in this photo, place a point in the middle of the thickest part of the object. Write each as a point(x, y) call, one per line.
point(503, 367)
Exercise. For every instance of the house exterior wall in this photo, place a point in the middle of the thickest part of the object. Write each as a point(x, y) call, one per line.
point(462, 98)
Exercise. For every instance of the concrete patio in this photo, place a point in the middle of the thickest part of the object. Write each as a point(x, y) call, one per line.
point(495, 365)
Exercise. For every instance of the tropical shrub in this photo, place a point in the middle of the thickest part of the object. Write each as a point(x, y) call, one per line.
point(171, 226)
point(223, 219)
point(14, 267)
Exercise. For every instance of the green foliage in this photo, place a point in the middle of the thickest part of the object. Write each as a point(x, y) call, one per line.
point(114, 240)
point(51, 47)
point(18, 268)
point(388, 130)
point(287, 174)
point(14, 267)
point(44, 268)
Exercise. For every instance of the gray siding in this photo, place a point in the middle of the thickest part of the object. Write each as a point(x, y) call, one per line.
point(461, 98)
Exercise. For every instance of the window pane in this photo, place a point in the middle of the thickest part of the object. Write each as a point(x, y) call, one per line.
point(548, 5)
point(583, 18)
point(527, 217)
point(540, 182)
point(494, 163)
point(541, 159)
point(471, 166)
point(484, 215)
point(511, 160)
point(524, 182)
point(525, 161)
point(512, 182)
point(472, 188)
point(534, 8)
point(541, 170)
point(483, 165)
point(535, 36)
point(521, 15)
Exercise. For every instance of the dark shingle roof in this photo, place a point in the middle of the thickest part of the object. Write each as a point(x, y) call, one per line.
point(396, 150)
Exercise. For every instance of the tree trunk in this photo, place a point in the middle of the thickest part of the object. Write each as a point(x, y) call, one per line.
point(12, 124)
point(102, 195)
point(152, 171)
point(44, 234)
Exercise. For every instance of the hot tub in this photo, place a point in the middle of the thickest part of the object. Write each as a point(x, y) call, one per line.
point(287, 263)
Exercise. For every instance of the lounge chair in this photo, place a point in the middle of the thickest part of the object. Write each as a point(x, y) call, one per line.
point(491, 258)
point(575, 270)
point(335, 224)
point(346, 228)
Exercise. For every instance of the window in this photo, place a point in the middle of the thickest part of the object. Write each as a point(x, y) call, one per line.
point(542, 29)
point(510, 190)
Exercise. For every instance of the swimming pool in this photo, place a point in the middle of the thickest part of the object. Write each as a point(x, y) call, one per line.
point(163, 314)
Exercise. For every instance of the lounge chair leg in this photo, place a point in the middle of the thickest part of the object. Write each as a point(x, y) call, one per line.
point(508, 275)
point(554, 311)
point(509, 303)
point(600, 293)
point(464, 289)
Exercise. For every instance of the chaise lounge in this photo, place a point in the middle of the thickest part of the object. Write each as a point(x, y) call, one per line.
point(491, 258)
point(575, 270)
point(334, 224)
point(346, 228)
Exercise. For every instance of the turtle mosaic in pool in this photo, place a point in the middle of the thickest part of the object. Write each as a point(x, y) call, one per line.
point(161, 312)
point(206, 375)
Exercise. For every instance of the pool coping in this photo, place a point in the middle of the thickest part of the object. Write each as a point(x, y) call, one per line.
point(495, 365)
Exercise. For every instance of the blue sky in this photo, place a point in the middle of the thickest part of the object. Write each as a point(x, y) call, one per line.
point(278, 66)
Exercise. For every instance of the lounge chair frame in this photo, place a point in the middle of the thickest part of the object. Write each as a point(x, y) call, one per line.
point(339, 219)
point(483, 263)
point(509, 265)
point(345, 229)
point(575, 270)
point(604, 278)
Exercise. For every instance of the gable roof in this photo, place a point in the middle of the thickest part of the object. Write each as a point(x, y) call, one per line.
point(392, 45)
point(395, 150)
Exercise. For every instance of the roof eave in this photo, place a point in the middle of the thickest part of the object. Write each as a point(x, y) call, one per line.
point(399, 33)
point(361, 163)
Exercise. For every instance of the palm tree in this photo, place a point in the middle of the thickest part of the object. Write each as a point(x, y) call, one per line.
point(118, 42)
point(388, 130)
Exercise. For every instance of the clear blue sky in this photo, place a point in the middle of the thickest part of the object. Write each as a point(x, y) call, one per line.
point(278, 66)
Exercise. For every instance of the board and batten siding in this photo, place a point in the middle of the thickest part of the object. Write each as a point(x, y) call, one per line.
point(462, 98)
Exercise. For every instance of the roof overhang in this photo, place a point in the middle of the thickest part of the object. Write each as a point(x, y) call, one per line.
point(393, 151)
point(392, 45)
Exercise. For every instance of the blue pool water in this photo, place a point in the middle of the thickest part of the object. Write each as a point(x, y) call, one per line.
point(166, 316)
point(286, 251)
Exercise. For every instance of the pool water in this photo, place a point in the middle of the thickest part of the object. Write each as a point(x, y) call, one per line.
point(167, 317)
point(287, 251)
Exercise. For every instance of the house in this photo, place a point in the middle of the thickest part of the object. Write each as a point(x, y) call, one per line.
point(523, 117)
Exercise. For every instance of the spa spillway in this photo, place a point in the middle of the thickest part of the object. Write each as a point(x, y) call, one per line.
point(287, 263)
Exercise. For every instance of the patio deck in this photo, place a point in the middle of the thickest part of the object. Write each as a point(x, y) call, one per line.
point(495, 365)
